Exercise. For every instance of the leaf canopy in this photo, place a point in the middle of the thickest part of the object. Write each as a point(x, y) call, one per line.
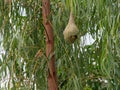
point(80, 66)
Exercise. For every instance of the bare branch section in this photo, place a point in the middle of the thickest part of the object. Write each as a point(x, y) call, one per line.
point(52, 80)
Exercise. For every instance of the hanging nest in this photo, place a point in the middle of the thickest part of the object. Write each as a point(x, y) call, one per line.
point(71, 31)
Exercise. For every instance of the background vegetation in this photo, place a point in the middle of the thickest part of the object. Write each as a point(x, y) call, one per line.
point(80, 66)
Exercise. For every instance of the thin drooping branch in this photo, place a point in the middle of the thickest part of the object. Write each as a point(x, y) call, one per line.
point(52, 79)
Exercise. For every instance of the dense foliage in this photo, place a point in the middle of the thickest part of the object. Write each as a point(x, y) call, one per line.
point(80, 66)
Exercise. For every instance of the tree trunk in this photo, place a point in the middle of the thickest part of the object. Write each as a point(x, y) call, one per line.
point(52, 80)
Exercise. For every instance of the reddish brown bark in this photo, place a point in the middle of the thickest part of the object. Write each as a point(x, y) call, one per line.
point(52, 80)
